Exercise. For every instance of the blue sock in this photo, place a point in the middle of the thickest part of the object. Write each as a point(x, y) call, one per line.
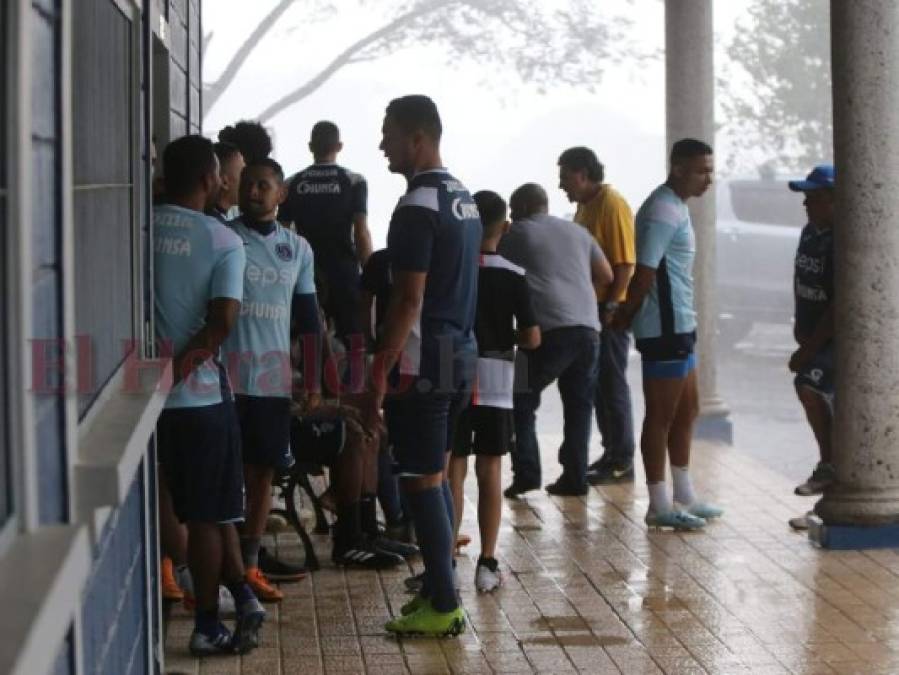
point(206, 622)
point(450, 508)
point(241, 592)
point(435, 539)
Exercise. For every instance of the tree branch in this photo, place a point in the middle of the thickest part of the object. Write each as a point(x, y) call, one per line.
point(214, 90)
point(203, 47)
point(348, 55)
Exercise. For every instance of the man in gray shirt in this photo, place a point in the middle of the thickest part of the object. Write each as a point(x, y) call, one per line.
point(564, 266)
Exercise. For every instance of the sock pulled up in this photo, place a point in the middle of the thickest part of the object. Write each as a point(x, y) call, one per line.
point(435, 539)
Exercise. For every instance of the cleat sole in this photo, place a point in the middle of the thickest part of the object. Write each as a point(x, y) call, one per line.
point(455, 629)
point(246, 636)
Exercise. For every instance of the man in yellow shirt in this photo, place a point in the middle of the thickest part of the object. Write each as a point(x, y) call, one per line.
point(607, 216)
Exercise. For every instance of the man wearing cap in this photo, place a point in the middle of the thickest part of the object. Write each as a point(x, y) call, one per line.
point(813, 289)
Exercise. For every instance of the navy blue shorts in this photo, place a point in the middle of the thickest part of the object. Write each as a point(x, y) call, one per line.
point(199, 452)
point(318, 440)
point(483, 430)
point(667, 357)
point(676, 347)
point(818, 374)
point(421, 427)
point(264, 430)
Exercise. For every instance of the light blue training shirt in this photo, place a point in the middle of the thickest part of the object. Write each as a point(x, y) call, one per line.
point(666, 243)
point(196, 259)
point(279, 266)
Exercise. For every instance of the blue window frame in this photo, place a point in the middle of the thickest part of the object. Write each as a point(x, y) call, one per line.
point(6, 472)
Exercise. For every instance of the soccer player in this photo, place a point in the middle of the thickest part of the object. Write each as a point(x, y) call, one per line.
point(278, 284)
point(660, 306)
point(504, 317)
point(328, 205)
point(433, 243)
point(231, 164)
point(199, 267)
point(250, 137)
point(374, 297)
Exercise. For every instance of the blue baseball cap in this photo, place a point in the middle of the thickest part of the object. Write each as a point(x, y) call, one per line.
point(821, 177)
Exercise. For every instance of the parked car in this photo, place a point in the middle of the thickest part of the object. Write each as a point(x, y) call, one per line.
point(758, 228)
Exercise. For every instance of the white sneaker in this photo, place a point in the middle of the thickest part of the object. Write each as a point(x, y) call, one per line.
point(800, 523)
point(487, 580)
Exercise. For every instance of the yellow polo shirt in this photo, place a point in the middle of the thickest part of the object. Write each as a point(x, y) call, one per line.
point(611, 222)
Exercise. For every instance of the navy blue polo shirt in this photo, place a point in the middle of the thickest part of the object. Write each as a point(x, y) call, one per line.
point(436, 229)
point(813, 277)
point(322, 201)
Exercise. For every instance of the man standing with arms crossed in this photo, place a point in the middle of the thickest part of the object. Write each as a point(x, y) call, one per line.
point(607, 216)
point(660, 305)
point(199, 267)
point(433, 243)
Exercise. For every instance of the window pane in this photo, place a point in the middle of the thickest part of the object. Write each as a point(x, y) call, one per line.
point(6, 498)
point(103, 200)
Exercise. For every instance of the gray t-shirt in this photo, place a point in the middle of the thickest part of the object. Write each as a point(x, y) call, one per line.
point(557, 255)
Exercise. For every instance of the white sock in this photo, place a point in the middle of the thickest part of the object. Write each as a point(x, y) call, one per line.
point(683, 486)
point(658, 497)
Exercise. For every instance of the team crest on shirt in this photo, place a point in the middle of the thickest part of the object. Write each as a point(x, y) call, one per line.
point(283, 251)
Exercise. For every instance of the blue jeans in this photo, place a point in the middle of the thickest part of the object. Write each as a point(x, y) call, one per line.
point(571, 356)
point(612, 398)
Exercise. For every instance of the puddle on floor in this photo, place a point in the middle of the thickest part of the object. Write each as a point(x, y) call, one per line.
point(569, 631)
point(576, 640)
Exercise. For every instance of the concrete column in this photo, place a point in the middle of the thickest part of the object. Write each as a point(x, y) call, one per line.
point(690, 112)
point(865, 51)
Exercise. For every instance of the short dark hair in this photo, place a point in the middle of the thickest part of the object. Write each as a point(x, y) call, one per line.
point(416, 112)
point(325, 137)
point(580, 158)
point(527, 200)
point(185, 162)
point(688, 148)
point(250, 137)
point(269, 163)
point(493, 210)
point(225, 151)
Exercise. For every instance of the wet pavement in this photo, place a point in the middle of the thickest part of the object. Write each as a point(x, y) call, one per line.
point(589, 589)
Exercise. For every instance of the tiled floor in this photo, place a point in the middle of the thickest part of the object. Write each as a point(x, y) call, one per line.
point(588, 589)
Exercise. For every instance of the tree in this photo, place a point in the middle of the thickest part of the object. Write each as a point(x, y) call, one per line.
point(546, 43)
point(776, 89)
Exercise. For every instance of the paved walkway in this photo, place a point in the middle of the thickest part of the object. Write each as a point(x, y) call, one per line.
point(588, 589)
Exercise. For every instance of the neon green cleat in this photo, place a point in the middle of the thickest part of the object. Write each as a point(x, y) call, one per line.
point(429, 622)
point(414, 605)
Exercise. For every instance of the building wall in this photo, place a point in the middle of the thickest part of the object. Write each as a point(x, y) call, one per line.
point(106, 142)
point(115, 610)
point(65, 659)
point(184, 26)
point(79, 265)
point(46, 262)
